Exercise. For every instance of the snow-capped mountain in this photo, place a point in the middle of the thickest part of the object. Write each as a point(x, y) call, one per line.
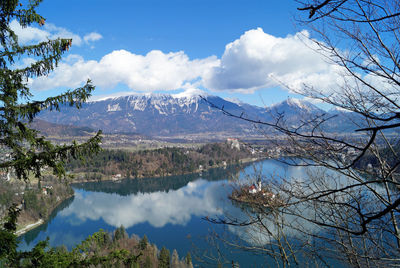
point(153, 114)
point(170, 115)
point(295, 106)
point(294, 112)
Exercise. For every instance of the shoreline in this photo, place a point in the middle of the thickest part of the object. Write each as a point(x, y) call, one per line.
point(32, 225)
point(29, 227)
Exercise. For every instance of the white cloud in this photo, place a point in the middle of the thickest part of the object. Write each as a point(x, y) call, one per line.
point(31, 34)
point(93, 36)
point(259, 60)
point(28, 34)
point(23, 63)
point(256, 60)
point(59, 32)
point(190, 92)
point(154, 71)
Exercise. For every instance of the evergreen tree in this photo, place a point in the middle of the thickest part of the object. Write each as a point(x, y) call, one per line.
point(29, 151)
point(148, 263)
point(143, 242)
point(120, 233)
point(164, 258)
point(188, 260)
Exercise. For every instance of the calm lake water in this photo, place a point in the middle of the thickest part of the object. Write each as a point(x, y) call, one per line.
point(170, 211)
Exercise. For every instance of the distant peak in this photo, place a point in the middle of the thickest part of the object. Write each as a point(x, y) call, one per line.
point(297, 102)
point(293, 102)
point(235, 100)
point(289, 101)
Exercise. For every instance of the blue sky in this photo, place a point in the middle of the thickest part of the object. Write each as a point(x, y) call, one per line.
point(234, 49)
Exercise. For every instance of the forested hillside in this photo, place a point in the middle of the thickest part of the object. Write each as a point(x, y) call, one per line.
point(36, 200)
point(155, 163)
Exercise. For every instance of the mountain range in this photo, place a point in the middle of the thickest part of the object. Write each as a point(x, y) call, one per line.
point(169, 115)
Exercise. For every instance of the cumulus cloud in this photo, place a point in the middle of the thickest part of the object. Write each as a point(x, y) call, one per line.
point(93, 36)
point(31, 34)
point(259, 60)
point(154, 71)
point(28, 34)
point(255, 60)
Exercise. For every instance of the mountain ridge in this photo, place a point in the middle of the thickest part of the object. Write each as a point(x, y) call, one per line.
point(169, 115)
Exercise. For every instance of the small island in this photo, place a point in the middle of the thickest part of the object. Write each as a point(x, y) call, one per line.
point(255, 194)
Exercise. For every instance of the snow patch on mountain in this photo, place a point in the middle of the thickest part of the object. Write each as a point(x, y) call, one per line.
point(113, 108)
point(235, 100)
point(165, 104)
point(138, 104)
point(296, 103)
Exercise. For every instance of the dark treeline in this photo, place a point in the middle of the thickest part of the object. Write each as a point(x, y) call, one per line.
point(157, 163)
point(149, 185)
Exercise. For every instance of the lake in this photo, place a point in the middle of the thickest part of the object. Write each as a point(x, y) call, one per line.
point(170, 211)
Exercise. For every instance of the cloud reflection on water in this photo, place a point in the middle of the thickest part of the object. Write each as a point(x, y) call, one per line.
point(198, 198)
